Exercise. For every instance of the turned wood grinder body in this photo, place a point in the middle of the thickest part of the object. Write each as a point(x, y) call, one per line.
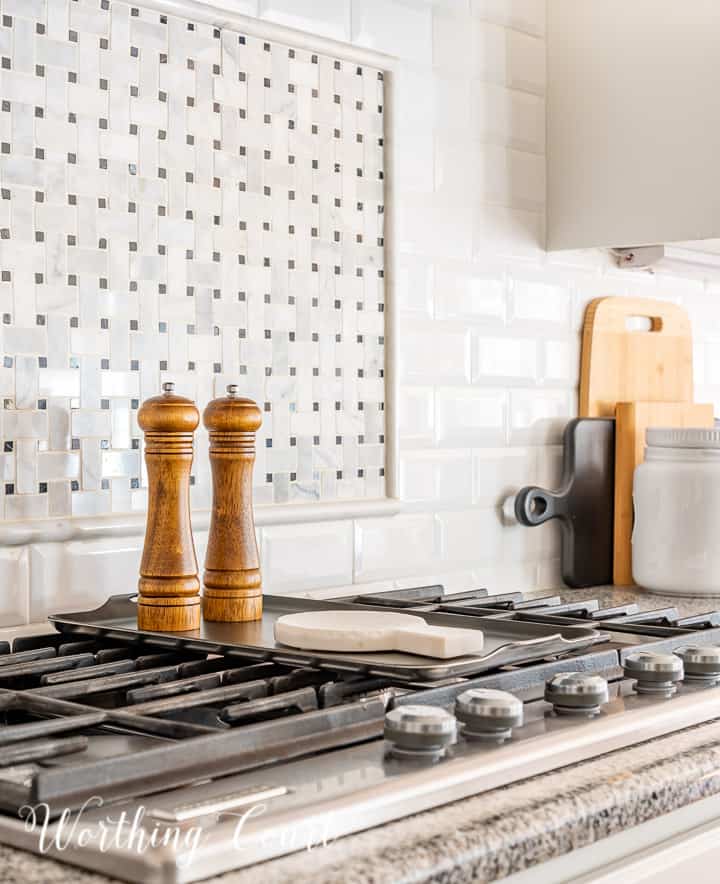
point(232, 582)
point(169, 589)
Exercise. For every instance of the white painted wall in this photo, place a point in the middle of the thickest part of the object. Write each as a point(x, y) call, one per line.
point(489, 323)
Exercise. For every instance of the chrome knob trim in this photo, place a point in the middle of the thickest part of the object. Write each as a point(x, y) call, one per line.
point(654, 673)
point(487, 714)
point(421, 730)
point(576, 693)
point(701, 663)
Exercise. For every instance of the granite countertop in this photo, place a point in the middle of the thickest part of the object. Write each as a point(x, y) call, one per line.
point(490, 836)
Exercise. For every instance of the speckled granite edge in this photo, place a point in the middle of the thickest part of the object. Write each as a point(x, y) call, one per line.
point(487, 837)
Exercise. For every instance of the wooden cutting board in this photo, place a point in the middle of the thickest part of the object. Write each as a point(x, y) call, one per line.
point(631, 421)
point(622, 362)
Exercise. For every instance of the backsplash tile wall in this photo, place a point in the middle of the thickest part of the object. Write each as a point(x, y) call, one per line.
point(190, 203)
point(489, 323)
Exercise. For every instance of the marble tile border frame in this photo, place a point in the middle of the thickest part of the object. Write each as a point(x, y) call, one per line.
point(20, 533)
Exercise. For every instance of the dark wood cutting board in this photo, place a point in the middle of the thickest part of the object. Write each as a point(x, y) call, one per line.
point(584, 504)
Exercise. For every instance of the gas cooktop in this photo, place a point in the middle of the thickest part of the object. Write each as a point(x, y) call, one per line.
point(166, 764)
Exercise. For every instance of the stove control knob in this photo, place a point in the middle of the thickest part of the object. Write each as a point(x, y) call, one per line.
point(576, 693)
point(420, 730)
point(654, 673)
point(701, 663)
point(488, 714)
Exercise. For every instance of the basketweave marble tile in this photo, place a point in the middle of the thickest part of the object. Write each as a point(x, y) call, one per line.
point(126, 261)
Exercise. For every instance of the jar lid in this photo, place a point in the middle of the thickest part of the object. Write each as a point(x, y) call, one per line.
point(676, 437)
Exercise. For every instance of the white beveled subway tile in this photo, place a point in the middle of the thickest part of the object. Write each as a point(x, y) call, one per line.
point(504, 360)
point(526, 173)
point(538, 417)
point(434, 354)
point(329, 18)
point(456, 171)
point(415, 173)
point(508, 117)
point(560, 363)
point(499, 231)
point(15, 582)
point(395, 546)
point(489, 52)
point(526, 62)
point(711, 363)
point(523, 15)
point(493, 175)
point(452, 42)
point(501, 472)
point(522, 544)
point(549, 574)
point(436, 477)
point(432, 229)
point(80, 575)
point(413, 98)
point(470, 417)
point(413, 286)
point(416, 419)
point(470, 293)
point(399, 27)
point(539, 298)
point(470, 536)
point(506, 576)
point(297, 558)
point(451, 96)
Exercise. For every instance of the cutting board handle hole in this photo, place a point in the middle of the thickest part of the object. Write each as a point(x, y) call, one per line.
point(638, 323)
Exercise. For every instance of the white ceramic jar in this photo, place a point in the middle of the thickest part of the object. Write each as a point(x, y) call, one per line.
point(676, 491)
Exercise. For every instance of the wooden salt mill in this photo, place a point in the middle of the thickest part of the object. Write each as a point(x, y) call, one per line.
point(233, 587)
point(169, 587)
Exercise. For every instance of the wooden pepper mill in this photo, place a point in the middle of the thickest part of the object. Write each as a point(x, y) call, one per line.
point(233, 587)
point(169, 587)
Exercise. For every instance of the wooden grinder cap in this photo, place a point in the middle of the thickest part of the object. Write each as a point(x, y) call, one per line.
point(232, 414)
point(233, 590)
point(169, 588)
